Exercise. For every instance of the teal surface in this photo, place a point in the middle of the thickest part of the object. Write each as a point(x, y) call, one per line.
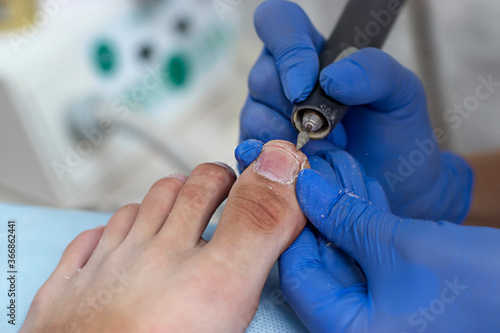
point(42, 234)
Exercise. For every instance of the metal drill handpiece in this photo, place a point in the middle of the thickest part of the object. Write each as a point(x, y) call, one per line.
point(311, 122)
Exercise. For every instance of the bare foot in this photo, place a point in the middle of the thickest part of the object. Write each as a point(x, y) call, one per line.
point(149, 270)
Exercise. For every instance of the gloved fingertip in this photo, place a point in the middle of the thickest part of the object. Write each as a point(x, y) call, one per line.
point(308, 177)
point(376, 195)
point(327, 83)
point(323, 167)
point(247, 152)
point(298, 81)
point(319, 164)
point(295, 88)
point(346, 81)
point(316, 195)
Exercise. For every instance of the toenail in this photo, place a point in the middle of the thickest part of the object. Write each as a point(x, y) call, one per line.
point(278, 164)
point(227, 167)
point(179, 176)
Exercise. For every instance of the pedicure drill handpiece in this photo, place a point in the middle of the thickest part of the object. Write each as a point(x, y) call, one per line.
point(363, 23)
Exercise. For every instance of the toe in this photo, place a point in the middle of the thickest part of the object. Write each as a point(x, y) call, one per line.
point(262, 216)
point(207, 187)
point(116, 230)
point(155, 208)
point(77, 254)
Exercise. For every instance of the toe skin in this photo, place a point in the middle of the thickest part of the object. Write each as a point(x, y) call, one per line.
point(155, 209)
point(207, 187)
point(116, 231)
point(262, 216)
point(77, 254)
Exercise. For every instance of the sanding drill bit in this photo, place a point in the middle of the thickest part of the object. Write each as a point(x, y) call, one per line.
point(303, 138)
point(311, 122)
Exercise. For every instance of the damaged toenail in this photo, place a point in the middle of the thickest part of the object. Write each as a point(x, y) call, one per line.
point(179, 176)
point(278, 164)
point(227, 167)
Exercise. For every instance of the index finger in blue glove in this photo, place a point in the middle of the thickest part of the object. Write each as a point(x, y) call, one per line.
point(338, 214)
point(343, 170)
point(348, 172)
point(371, 76)
point(323, 167)
point(301, 261)
point(339, 264)
point(312, 291)
point(265, 85)
point(247, 152)
point(376, 195)
point(260, 122)
point(294, 43)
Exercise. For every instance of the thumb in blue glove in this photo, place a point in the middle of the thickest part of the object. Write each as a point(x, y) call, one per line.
point(421, 276)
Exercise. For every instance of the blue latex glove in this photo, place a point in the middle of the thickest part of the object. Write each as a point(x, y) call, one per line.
point(388, 129)
point(412, 276)
point(266, 114)
point(421, 276)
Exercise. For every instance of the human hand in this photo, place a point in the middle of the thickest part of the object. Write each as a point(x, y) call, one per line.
point(418, 276)
point(388, 130)
point(149, 270)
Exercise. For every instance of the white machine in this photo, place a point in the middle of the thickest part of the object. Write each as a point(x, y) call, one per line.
point(127, 62)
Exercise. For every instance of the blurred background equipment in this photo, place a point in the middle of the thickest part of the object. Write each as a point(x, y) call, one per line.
point(16, 13)
point(88, 84)
point(99, 99)
point(428, 65)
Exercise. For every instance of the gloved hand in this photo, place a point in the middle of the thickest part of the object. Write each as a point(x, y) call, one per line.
point(360, 269)
point(421, 276)
point(388, 129)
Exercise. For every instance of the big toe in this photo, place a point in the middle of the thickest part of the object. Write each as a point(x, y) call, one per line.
point(262, 216)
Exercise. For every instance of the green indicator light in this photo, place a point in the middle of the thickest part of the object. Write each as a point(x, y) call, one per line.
point(178, 70)
point(105, 58)
point(220, 35)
